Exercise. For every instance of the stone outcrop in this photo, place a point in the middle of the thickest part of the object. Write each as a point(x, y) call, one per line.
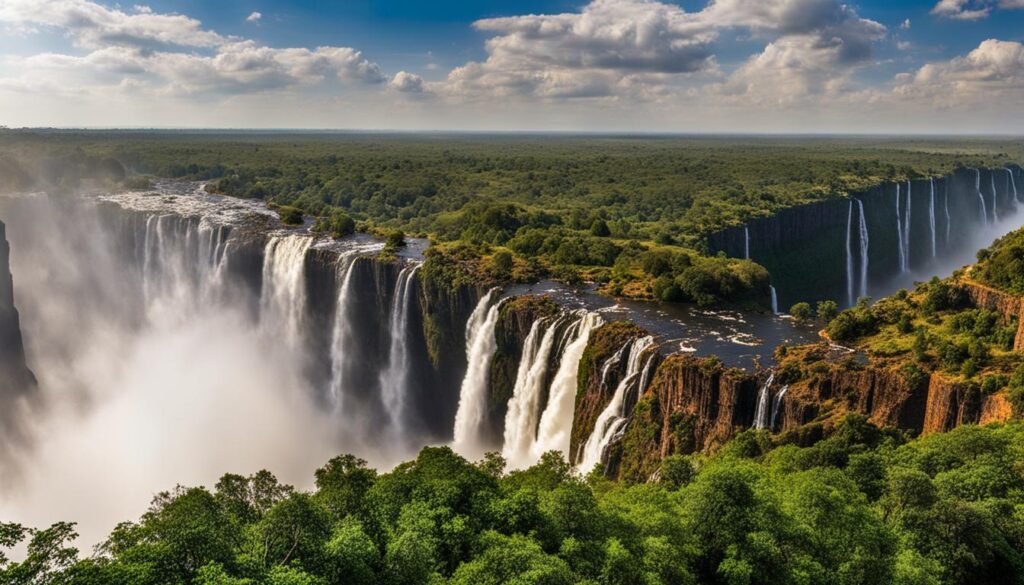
point(16, 380)
point(602, 367)
point(690, 405)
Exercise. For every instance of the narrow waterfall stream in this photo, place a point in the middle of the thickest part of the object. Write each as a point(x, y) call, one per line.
point(931, 213)
point(480, 346)
point(863, 230)
point(283, 300)
point(761, 412)
point(899, 233)
point(981, 198)
point(849, 257)
point(613, 417)
point(394, 380)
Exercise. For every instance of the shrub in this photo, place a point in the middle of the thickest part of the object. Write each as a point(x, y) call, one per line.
point(801, 311)
point(290, 215)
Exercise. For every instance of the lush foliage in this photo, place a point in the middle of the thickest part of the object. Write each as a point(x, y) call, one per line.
point(859, 507)
point(1002, 265)
point(573, 208)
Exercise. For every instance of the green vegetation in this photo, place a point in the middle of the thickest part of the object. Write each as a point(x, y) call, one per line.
point(574, 208)
point(1002, 265)
point(938, 329)
point(862, 506)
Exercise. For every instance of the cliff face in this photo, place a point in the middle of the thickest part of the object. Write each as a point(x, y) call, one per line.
point(886, 396)
point(602, 367)
point(690, 405)
point(805, 247)
point(16, 380)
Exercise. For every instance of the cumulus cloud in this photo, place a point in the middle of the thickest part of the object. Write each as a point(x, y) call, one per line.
point(407, 82)
point(972, 9)
point(91, 25)
point(994, 71)
point(816, 47)
point(254, 17)
point(646, 49)
point(145, 49)
point(591, 53)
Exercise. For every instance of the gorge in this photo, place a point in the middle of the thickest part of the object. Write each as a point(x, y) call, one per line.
point(312, 345)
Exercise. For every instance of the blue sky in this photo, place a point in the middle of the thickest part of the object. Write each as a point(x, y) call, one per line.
point(630, 65)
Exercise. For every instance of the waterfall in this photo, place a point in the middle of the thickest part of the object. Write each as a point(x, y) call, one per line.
point(613, 417)
point(863, 249)
point(342, 337)
point(556, 423)
point(931, 212)
point(849, 257)
point(906, 230)
point(761, 412)
point(981, 198)
point(945, 205)
point(995, 199)
point(1013, 185)
point(775, 299)
point(394, 380)
point(480, 346)
point(746, 243)
point(283, 298)
point(524, 406)
point(777, 406)
point(612, 362)
point(899, 232)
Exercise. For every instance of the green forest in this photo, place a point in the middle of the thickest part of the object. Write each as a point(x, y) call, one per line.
point(568, 207)
point(864, 506)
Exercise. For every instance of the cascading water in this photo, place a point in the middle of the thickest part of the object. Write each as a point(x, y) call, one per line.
point(612, 362)
point(763, 399)
point(931, 213)
point(995, 199)
point(746, 242)
point(945, 206)
point(524, 406)
point(906, 229)
point(775, 299)
point(777, 406)
point(394, 380)
point(553, 433)
point(981, 198)
point(613, 417)
point(899, 232)
point(863, 249)
point(1013, 185)
point(342, 335)
point(480, 346)
point(849, 256)
point(283, 299)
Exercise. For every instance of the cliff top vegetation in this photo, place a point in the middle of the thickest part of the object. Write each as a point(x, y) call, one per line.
point(571, 207)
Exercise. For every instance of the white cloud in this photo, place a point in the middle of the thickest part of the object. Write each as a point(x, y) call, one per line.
point(992, 73)
point(817, 46)
point(254, 17)
point(147, 50)
point(905, 25)
point(591, 53)
point(91, 25)
point(973, 9)
point(407, 82)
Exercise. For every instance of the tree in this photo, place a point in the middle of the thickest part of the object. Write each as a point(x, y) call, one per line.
point(801, 311)
point(502, 261)
point(827, 310)
point(600, 229)
point(342, 485)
